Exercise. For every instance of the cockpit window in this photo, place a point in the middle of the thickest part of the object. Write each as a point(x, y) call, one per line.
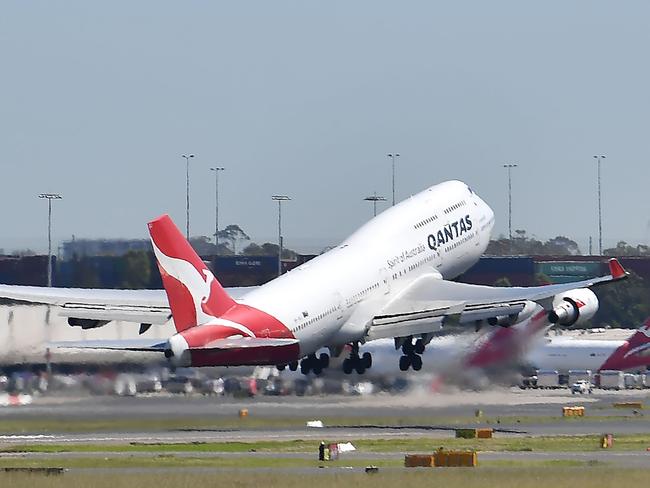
point(470, 189)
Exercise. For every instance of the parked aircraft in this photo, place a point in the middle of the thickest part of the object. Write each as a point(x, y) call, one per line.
point(390, 279)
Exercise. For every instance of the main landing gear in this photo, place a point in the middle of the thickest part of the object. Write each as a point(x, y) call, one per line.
point(356, 362)
point(311, 363)
point(411, 357)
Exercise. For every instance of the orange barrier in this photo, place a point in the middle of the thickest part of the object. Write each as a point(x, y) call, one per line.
point(484, 433)
point(638, 405)
point(573, 411)
point(444, 458)
point(419, 461)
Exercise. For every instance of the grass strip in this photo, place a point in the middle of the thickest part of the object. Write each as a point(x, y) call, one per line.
point(624, 442)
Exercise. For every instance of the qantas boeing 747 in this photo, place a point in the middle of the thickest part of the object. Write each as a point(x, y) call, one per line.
point(390, 279)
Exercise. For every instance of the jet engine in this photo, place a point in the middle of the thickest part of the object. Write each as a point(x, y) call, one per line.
point(573, 307)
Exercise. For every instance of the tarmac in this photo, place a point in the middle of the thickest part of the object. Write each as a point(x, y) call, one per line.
point(524, 412)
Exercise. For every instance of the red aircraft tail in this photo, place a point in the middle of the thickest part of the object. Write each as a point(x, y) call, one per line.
point(195, 296)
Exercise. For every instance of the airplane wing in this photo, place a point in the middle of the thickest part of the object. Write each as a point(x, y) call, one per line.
point(139, 345)
point(93, 307)
point(429, 299)
point(159, 345)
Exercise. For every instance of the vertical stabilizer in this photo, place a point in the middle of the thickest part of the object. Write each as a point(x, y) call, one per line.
point(195, 296)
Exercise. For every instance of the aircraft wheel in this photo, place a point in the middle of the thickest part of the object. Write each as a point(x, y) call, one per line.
point(305, 366)
point(367, 360)
point(293, 365)
point(281, 367)
point(347, 366)
point(416, 362)
point(324, 360)
point(419, 346)
point(318, 370)
point(360, 368)
point(407, 348)
point(404, 363)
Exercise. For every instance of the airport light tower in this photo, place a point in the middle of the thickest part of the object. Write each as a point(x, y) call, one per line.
point(374, 198)
point(187, 194)
point(509, 168)
point(49, 197)
point(280, 199)
point(216, 170)
point(392, 156)
point(600, 214)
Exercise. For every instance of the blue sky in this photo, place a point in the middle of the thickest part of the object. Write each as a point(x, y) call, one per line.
point(306, 98)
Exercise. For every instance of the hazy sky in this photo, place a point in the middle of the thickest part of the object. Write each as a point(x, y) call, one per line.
point(99, 100)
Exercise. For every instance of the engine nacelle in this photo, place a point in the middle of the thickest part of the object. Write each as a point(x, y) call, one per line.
point(508, 320)
point(573, 307)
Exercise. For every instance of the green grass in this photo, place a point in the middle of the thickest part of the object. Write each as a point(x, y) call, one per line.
point(482, 477)
point(625, 442)
point(171, 461)
point(68, 425)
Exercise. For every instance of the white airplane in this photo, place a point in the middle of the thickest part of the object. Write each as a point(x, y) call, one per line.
point(390, 279)
point(457, 358)
point(563, 353)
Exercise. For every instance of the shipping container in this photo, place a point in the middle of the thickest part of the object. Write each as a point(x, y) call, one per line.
point(578, 375)
point(612, 380)
point(548, 378)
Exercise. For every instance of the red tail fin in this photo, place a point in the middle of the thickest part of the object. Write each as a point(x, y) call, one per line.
point(641, 336)
point(195, 296)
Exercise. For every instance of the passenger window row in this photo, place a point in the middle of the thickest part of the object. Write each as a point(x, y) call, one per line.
point(455, 206)
point(425, 221)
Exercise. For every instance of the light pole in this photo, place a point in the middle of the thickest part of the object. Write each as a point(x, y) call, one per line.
point(509, 168)
point(392, 157)
point(216, 205)
point(600, 215)
point(187, 194)
point(280, 199)
point(49, 197)
point(374, 199)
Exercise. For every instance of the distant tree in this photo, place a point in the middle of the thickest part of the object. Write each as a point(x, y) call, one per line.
point(623, 304)
point(624, 249)
point(203, 246)
point(529, 246)
point(253, 250)
point(234, 235)
point(562, 246)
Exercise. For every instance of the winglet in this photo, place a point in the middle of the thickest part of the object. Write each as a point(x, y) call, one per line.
point(616, 270)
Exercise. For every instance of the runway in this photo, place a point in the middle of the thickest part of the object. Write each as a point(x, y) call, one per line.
point(205, 418)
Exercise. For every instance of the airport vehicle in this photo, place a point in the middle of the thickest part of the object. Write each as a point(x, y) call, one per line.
point(564, 354)
point(390, 279)
point(582, 387)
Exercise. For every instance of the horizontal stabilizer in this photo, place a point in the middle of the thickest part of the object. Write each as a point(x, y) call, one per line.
point(149, 345)
point(246, 343)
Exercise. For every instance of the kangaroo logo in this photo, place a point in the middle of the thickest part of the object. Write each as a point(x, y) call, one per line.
point(199, 284)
